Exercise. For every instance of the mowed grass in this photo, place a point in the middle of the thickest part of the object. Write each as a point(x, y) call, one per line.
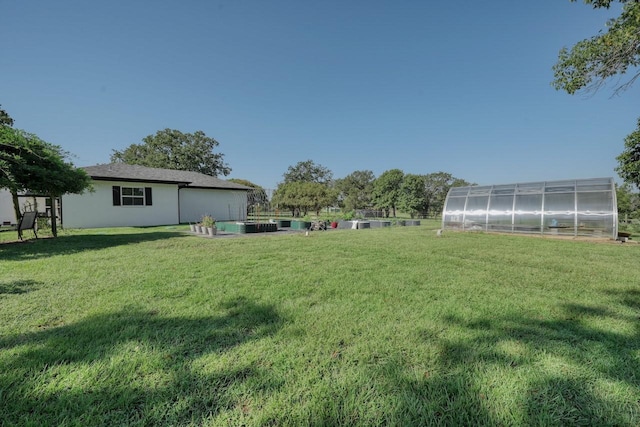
point(387, 326)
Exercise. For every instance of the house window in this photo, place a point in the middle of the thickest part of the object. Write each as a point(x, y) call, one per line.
point(131, 196)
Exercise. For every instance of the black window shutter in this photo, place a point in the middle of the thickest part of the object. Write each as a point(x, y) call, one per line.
point(147, 196)
point(116, 195)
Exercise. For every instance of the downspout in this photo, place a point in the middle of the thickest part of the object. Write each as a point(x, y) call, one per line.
point(179, 188)
point(61, 217)
point(614, 197)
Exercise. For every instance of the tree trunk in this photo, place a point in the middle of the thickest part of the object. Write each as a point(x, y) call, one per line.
point(16, 205)
point(54, 226)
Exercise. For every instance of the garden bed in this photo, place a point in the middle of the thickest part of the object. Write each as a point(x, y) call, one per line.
point(247, 227)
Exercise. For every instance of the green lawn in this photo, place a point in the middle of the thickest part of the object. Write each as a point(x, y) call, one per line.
point(391, 326)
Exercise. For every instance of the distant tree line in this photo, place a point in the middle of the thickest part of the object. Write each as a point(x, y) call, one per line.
point(310, 187)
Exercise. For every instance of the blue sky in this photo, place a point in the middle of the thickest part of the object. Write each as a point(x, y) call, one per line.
point(461, 87)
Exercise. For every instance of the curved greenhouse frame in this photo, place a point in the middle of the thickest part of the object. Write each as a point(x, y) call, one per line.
point(581, 207)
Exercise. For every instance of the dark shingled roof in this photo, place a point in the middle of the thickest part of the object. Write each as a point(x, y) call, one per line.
point(125, 172)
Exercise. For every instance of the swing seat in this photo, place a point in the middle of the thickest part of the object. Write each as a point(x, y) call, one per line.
point(28, 222)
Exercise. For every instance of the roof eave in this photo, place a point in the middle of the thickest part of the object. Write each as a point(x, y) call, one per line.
point(123, 179)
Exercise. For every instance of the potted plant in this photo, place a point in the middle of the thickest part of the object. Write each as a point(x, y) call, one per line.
point(209, 224)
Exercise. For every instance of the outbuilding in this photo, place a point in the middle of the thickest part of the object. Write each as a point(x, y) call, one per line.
point(132, 195)
point(577, 207)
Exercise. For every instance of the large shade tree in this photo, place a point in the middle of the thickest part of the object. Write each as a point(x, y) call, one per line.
point(306, 187)
point(172, 149)
point(437, 186)
point(426, 194)
point(355, 190)
point(412, 199)
point(592, 62)
point(28, 163)
point(628, 202)
point(301, 197)
point(386, 191)
point(629, 160)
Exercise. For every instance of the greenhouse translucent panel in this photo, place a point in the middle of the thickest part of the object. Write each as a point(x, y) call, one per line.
point(454, 215)
point(594, 213)
point(456, 204)
point(476, 212)
point(530, 187)
point(503, 189)
point(459, 191)
point(475, 191)
point(500, 211)
point(585, 207)
point(594, 185)
point(560, 187)
point(559, 213)
point(527, 213)
point(595, 202)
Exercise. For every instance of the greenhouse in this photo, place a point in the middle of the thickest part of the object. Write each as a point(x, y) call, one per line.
point(581, 207)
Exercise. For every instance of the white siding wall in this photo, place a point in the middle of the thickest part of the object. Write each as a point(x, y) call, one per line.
point(6, 208)
point(223, 205)
point(96, 209)
point(7, 213)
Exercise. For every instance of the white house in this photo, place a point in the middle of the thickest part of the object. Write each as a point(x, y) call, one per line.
point(131, 195)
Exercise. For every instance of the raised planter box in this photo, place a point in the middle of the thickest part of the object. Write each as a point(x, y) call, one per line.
point(378, 224)
point(260, 227)
point(353, 225)
point(300, 225)
point(283, 223)
point(345, 225)
point(247, 227)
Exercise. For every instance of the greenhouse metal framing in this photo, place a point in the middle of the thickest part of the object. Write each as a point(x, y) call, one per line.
point(580, 207)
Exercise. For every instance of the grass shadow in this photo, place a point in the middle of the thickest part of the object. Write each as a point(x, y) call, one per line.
point(628, 297)
point(132, 367)
point(65, 245)
point(19, 287)
point(575, 360)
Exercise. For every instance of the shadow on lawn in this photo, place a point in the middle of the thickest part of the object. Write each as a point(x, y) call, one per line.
point(574, 365)
point(63, 245)
point(132, 367)
point(19, 286)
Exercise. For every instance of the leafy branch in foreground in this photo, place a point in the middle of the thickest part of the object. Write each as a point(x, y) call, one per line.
point(591, 62)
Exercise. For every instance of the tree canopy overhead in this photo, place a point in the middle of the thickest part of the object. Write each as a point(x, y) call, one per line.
point(308, 171)
point(172, 149)
point(591, 62)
